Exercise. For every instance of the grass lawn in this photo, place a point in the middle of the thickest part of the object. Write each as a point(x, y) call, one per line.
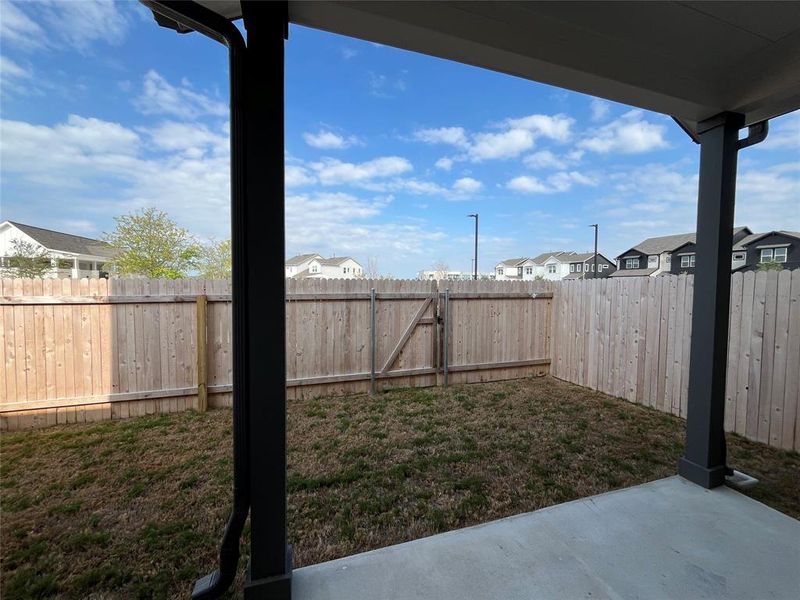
point(135, 508)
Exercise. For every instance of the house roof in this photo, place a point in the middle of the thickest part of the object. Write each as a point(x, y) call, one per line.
point(754, 237)
point(698, 59)
point(300, 259)
point(557, 254)
point(335, 261)
point(669, 243)
point(58, 241)
point(632, 272)
point(513, 262)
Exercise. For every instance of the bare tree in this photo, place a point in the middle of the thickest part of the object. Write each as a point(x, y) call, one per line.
point(440, 269)
point(372, 272)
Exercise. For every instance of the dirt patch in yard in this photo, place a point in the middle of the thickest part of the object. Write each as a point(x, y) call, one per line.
point(136, 508)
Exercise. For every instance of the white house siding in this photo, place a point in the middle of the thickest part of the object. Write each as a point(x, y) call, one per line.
point(81, 265)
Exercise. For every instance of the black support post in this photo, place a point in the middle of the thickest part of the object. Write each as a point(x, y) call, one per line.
point(704, 461)
point(269, 575)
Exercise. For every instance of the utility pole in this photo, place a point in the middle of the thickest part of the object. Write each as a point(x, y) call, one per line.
point(594, 266)
point(475, 260)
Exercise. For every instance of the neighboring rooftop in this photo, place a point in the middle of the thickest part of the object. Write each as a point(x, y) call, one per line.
point(58, 241)
point(668, 243)
point(300, 259)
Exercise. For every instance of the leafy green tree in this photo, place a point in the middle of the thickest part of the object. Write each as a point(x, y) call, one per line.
point(152, 245)
point(215, 261)
point(26, 260)
point(770, 265)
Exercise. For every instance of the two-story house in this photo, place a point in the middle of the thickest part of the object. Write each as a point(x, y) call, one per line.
point(315, 266)
point(657, 255)
point(749, 251)
point(582, 266)
point(515, 269)
point(553, 266)
point(70, 255)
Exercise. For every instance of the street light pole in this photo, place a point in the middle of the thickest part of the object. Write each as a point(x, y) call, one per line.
point(594, 266)
point(475, 260)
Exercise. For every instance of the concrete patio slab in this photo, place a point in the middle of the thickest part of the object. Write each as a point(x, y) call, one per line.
point(664, 539)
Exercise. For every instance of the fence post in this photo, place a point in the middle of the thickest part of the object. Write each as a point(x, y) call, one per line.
point(202, 353)
point(372, 341)
point(446, 328)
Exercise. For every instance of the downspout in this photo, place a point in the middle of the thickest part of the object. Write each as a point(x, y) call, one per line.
point(183, 17)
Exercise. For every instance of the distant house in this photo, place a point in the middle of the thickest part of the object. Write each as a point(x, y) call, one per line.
point(553, 266)
point(582, 265)
point(748, 252)
point(70, 255)
point(305, 266)
point(658, 255)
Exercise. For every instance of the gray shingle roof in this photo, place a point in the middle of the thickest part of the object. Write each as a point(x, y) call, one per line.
point(745, 241)
point(513, 262)
point(335, 261)
point(299, 259)
point(668, 243)
point(559, 254)
point(66, 242)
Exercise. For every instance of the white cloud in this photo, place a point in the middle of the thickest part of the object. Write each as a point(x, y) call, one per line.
point(600, 109)
point(544, 159)
point(487, 146)
point(558, 182)
point(297, 176)
point(331, 171)
point(555, 127)
point(784, 134)
point(444, 163)
point(516, 136)
point(467, 185)
point(382, 86)
point(630, 134)
point(159, 97)
point(455, 136)
point(54, 24)
point(14, 78)
point(348, 53)
point(190, 138)
point(328, 140)
point(18, 29)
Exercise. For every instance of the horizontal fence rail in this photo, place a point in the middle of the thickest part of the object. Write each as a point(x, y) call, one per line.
point(93, 349)
point(84, 350)
point(630, 337)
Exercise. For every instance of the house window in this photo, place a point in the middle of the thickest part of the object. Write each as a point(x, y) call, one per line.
point(773, 254)
point(631, 263)
point(571, 268)
point(519, 271)
point(579, 267)
point(739, 256)
point(652, 261)
point(500, 271)
point(528, 270)
point(669, 259)
point(687, 261)
point(551, 268)
point(587, 267)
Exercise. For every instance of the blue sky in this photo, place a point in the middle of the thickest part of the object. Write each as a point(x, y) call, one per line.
point(387, 151)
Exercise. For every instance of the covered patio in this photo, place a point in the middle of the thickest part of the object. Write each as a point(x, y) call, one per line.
point(663, 539)
point(717, 69)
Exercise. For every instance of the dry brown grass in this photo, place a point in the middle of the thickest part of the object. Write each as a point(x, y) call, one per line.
point(135, 508)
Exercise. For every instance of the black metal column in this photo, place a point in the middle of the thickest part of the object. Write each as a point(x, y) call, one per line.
point(269, 575)
point(704, 461)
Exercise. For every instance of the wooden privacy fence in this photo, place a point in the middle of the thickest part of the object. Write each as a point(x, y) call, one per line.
point(629, 337)
point(85, 350)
